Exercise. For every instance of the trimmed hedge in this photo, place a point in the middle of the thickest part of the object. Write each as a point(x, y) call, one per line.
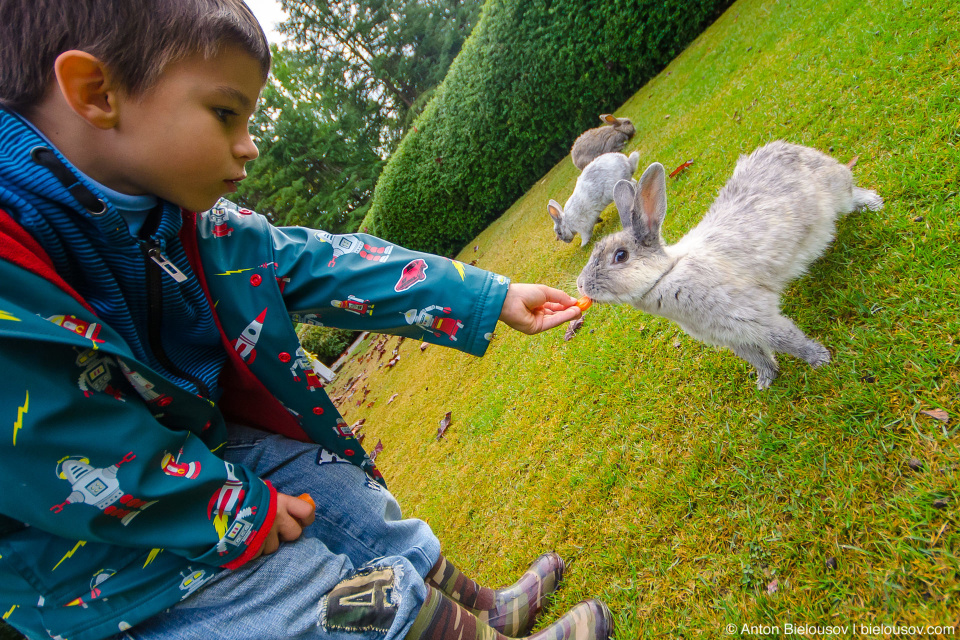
point(533, 75)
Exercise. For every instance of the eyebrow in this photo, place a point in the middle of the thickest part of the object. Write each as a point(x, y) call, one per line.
point(234, 94)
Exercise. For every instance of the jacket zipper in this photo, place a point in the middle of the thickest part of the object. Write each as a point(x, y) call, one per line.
point(156, 265)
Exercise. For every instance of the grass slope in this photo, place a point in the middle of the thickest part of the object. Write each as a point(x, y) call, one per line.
point(678, 492)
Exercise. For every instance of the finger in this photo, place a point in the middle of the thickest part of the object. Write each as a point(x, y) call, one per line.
point(556, 295)
point(303, 509)
point(557, 319)
point(271, 544)
point(288, 528)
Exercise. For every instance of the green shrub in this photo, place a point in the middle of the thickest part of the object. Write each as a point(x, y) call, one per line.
point(533, 75)
point(325, 343)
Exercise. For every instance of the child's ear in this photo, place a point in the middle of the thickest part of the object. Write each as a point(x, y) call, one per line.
point(87, 87)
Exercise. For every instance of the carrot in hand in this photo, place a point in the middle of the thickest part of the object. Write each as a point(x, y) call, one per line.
point(306, 497)
point(584, 303)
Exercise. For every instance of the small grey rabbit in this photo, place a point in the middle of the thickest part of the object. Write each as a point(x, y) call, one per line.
point(591, 195)
point(593, 143)
point(722, 281)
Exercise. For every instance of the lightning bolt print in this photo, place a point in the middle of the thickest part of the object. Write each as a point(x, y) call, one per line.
point(151, 556)
point(227, 273)
point(20, 411)
point(4, 315)
point(69, 553)
point(7, 614)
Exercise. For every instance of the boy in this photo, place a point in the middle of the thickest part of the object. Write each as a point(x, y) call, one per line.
point(163, 413)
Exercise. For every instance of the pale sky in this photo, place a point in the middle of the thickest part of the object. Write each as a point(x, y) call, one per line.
point(268, 13)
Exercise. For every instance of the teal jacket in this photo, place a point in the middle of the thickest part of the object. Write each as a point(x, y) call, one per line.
point(116, 503)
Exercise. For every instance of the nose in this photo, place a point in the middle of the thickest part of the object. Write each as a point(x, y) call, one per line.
point(245, 148)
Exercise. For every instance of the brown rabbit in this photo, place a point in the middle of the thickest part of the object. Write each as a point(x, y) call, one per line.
point(595, 142)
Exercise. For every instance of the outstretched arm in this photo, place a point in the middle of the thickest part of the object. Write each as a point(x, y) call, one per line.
point(532, 308)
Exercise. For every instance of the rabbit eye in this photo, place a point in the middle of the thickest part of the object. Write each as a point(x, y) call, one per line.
point(620, 256)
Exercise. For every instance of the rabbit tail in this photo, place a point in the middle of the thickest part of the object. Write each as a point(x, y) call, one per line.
point(866, 199)
point(634, 159)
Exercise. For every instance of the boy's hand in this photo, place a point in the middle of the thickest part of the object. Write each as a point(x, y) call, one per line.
point(532, 308)
point(293, 514)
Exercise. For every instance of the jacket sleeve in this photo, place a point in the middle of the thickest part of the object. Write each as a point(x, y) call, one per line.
point(360, 282)
point(86, 458)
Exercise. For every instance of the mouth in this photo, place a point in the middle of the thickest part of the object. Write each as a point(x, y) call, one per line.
point(232, 182)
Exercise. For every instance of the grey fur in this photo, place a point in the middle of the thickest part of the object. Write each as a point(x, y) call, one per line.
point(591, 195)
point(722, 281)
point(595, 142)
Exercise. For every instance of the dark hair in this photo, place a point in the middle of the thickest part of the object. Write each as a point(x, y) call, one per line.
point(135, 39)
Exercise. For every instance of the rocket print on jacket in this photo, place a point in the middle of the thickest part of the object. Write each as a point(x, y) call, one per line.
point(343, 245)
point(173, 467)
point(222, 505)
point(247, 342)
point(98, 579)
point(144, 387)
point(89, 330)
point(98, 488)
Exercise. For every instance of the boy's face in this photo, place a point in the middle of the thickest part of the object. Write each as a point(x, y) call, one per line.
point(186, 139)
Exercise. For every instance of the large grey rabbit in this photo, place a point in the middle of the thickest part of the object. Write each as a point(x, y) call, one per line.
point(593, 143)
point(591, 195)
point(722, 281)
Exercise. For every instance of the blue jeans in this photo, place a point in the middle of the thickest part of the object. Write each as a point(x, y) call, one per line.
point(355, 573)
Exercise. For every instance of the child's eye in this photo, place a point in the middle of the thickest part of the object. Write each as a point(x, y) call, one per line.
point(223, 114)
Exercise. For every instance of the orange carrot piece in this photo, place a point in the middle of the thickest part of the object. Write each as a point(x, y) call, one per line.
point(584, 303)
point(306, 497)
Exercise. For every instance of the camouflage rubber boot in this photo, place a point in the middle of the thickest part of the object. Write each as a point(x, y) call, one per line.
point(511, 610)
point(441, 618)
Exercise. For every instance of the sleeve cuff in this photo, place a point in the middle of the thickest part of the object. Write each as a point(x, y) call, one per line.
point(254, 547)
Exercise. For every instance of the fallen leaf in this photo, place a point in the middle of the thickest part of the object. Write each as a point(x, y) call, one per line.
point(376, 450)
point(773, 586)
point(443, 425)
point(370, 404)
point(681, 167)
point(937, 414)
point(392, 398)
point(831, 563)
point(423, 346)
point(915, 464)
point(573, 328)
point(940, 503)
point(393, 361)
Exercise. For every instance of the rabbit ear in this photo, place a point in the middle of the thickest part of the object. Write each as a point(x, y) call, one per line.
point(609, 119)
point(554, 209)
point(623, 197)
point(650, 204)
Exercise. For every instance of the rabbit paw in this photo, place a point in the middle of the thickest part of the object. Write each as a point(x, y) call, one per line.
point(765, 379)
point(817, 355)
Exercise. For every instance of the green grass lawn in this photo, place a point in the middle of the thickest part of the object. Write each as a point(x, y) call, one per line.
point(681, 495)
